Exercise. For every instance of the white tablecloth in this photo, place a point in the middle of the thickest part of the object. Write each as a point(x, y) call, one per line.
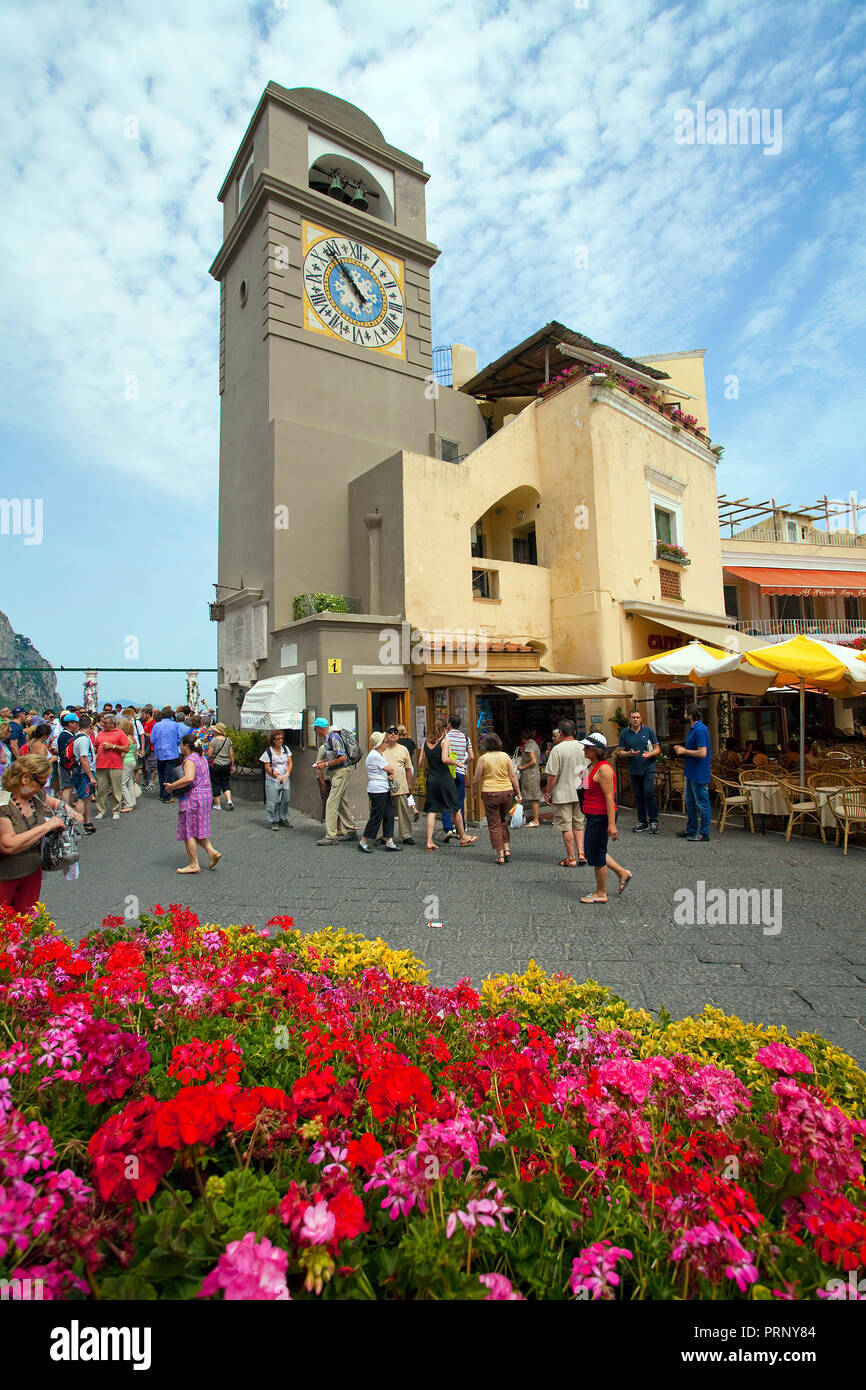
point(767, 800)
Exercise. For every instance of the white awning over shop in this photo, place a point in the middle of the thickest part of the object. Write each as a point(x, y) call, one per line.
point(275, 703)
point(596, 691)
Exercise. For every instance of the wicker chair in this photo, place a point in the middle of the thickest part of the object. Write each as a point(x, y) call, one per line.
point(802, 806)
point(756, 774)
point(732, 798)
point(676, 786)
point(850, 812)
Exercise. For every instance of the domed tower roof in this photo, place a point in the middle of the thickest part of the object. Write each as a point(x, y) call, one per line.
point(337, 112)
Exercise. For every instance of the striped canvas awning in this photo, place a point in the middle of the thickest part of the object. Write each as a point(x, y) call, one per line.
point(594, 691)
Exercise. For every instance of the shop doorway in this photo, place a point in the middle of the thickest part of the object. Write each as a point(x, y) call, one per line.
point(386, 707)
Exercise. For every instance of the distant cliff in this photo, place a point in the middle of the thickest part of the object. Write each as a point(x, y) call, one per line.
point(30, 689)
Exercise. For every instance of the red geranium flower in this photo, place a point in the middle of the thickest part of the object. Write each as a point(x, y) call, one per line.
point(364, 1152)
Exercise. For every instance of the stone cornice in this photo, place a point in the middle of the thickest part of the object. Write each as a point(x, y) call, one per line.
point(644, 415)
point(659, 479)
point(320, 208)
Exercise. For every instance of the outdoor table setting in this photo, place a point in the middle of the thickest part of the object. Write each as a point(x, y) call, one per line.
point(766, 798)
point(827, 797)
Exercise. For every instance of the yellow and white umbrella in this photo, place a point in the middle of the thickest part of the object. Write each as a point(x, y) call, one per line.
point(695, 664)
point(809, 661)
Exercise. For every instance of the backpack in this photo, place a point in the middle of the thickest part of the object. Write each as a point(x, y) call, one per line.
point(68, 760)
point(351, 746)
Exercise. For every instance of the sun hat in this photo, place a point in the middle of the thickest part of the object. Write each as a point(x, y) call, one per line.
point(376, 740)
point(597, 740)
point(320, 723)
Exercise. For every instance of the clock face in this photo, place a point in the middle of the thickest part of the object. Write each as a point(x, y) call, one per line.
point(353, 293)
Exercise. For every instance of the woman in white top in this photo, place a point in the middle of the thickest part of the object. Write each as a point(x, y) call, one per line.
point(278, 770)
point(379, 792)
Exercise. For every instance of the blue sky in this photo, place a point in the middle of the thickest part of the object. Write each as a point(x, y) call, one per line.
point(544, 129)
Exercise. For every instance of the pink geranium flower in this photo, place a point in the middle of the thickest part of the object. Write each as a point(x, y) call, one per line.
point(249, 1270)
point(778, 1057)
point(318, 1225)
point(595, 1269)
point(501, 1290)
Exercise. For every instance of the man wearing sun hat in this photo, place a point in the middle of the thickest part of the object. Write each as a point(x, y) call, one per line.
point(333, 764)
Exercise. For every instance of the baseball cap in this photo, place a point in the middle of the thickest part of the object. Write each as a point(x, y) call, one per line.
point(597, 740)
point(19, 710)
point(320, 723)
point(69, 719)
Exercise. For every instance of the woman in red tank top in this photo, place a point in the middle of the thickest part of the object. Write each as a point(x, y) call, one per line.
point(599, 808)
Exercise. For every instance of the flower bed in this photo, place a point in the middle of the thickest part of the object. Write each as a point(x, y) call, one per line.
point(679, 419)
point(195, 1112)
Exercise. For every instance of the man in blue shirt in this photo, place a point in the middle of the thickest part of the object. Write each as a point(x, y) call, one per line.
point(697, 773)
point(641, 743)
point(165, 739)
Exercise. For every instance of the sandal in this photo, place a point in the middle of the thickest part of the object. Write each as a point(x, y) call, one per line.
point(601, 901)
point(582, 859)
point(470, 840)
point(430, 848)
point(624, 882)
point(568, 863)
point(500, 863)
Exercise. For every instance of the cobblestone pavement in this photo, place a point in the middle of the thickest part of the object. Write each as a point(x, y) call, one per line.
point(810, 975)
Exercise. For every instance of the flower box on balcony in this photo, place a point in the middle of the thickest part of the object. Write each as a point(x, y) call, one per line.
point(673, 553)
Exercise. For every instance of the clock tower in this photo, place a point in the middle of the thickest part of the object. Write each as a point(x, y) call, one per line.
point(325, 364)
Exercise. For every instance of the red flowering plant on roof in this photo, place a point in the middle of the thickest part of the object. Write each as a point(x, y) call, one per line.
point(189, 1110)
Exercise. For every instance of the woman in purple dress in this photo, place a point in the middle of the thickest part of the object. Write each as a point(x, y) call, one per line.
point(194, 803)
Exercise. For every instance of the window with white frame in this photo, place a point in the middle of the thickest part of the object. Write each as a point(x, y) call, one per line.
point(666, 509)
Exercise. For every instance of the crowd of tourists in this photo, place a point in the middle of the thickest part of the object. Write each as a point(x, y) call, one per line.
point(86, 766)
point(100, 764)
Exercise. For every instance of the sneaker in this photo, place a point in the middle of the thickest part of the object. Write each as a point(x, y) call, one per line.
point(684, 835)
point(275, 826)
point(365, 849)
point(449, 835)
point(351, 835)
point(328, 840)
point(287, 823)
point(408, 840)
point(115, 815)
point(392, 847)
point(705, 838)
point(654, 827)
point(216, 808)
point(231, 806)
point(639, 829)
point(695, 839)
point(100, 815)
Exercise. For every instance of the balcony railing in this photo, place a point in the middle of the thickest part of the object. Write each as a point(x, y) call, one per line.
point(807, 627)
point(776, 535)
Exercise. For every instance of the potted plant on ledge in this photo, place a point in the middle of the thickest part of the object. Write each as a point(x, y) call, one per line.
point(674, 553)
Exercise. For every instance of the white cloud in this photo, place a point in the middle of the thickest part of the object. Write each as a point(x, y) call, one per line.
point(555, 128)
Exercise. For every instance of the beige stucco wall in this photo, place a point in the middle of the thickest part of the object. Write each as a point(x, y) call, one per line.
point(584, 448)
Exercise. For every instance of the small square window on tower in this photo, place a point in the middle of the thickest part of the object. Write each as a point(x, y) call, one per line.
point(449, 450)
